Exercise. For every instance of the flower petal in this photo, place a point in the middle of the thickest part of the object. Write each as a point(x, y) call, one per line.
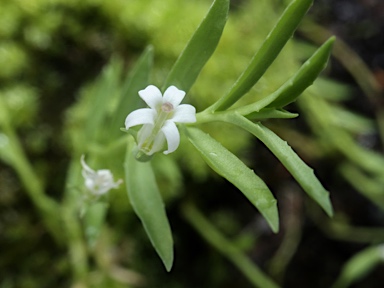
point(184, 113)
point(144, 133)
point(86, 169)
point(152, 96)
point(90, 184)
point(172, 135)
point(158, 143)
point(173, 96)
point(140, 116)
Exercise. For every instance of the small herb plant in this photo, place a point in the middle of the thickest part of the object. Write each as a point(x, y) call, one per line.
point(163, 126)
point(159, 131)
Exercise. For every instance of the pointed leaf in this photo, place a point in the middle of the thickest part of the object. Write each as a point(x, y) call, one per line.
point(104, 89)
point(267, 53)
point(292, 89)
point(268, 113)
point(199, 48)
point(297, 167)
point(303, 78)
point(360, 265)
point(227, 248)
point(235, 171)
point(147, 203)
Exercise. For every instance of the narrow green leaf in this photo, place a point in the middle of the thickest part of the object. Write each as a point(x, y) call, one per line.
point(7, 151)
point(303, 78)
point(235, 171)
point(129, 100)
point(368, 186)
point(267, 53)
point(147, 203)
point(268, 113)
point(297, 167)
point(265, 113)
point(227, 248)
point(199, 48)
point(347, 119)
point(104, 89)
point(94, 218)
point(359, 266)
point(367, 159)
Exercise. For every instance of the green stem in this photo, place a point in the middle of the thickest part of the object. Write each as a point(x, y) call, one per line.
point(340, 230)
point(46, 207)
point(76, 246)
point(75, 241)
point(225, 247)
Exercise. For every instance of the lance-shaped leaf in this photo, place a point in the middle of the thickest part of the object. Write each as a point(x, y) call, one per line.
point(360, 265)
point(292, 89)
point(227, 165)
point(129, 100)
point(267, 53)
point(147, 203)
point(226, 247)
point(268, 113)
point(199, 48)
point(297, 167)
point(305, 77)
point(102, 93)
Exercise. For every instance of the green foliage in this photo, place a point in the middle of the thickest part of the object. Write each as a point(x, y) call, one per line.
point(359, 266)
point(146, 200)
point(303, 78)
point(137, 80)
point(297, 167)
point(234, 170)
point(267, 53)
point(200, 48)
point(44, 41)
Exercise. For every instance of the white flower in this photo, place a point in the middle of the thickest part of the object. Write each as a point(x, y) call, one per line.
point(159, 119)
point(98, 182)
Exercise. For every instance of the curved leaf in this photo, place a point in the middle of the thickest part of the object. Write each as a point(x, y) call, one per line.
point(303, 78)
point(235, 171)
point(147, 203)
point(297, 167)
point(292, 89)
point(267, 53)
point(359, 266)
point(199, 48)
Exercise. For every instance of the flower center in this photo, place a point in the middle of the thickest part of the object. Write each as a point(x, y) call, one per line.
point(163, 114)
point(167, 107)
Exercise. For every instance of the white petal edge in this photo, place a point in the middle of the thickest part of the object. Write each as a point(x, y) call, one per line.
point(172, 136)
point(173, 96)
point(158, 144)
point(152, 96)
point(86, 168)
point(184, 113)
point(90, 184)
point(144, 133)
point(139, 117)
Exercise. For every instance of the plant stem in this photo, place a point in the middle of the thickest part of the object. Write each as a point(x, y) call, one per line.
point(75, 240)
point(16, 158)
point(215, 238)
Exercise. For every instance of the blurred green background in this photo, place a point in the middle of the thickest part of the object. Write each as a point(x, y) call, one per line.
point(52, 53)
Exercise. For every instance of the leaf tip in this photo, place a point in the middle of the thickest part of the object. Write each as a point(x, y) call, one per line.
point(168, 264)
point(271, 215)
point(327, 206)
